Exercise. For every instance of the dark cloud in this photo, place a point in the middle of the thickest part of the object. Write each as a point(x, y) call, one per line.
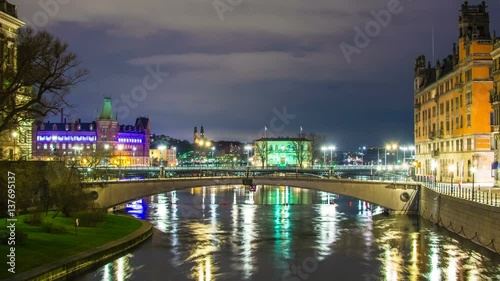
point(232, 75)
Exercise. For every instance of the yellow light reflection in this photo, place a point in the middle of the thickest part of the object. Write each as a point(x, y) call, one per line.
point(327, 228)
point(248, 231)
point(414, 271)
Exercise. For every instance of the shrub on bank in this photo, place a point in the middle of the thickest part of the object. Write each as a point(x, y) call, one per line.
point(50, 227)
point(90, 217)
point(34, 219)
point(20, 237)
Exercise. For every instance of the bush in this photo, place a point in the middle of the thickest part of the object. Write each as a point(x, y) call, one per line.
point(21, 237)
point(50, 227)
point(34, 219)
point(91, 217)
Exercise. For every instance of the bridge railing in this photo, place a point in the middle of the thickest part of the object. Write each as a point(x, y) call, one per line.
point(467, 192)
point(243, 168)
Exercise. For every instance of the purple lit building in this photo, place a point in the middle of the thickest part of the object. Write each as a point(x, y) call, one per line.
point(102, 142)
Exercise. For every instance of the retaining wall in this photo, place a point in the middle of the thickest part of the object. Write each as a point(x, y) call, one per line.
point(477, 222)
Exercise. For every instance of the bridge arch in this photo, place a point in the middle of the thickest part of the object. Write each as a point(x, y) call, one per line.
point(396, 197)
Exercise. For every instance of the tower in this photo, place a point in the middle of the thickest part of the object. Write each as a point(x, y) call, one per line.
point(107, 125)
point(195, 134)
point(473, 25)
point(202, 133)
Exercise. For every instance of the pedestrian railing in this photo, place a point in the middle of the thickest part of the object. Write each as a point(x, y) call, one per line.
point(489, 197)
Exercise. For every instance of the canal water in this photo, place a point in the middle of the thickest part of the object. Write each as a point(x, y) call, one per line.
point(289, 234)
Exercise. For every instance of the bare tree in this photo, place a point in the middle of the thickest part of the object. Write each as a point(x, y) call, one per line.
point(316, 141)
point(303, 151)
point(35, 83)
point(261, 150)
point(66, 193)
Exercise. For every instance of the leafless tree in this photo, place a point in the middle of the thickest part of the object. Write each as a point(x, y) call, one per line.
point(303, 151)
point(35, 83)
point(261, 150)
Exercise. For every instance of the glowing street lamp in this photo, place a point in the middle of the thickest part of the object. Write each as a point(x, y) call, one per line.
point(14, 137)
point(451, 169)
point(434, 170)
point(363, 155)
point(248, 148)
point(331, 148)
point(473, 171)
point(120, 148)
point(324, 148)
point(161, 148)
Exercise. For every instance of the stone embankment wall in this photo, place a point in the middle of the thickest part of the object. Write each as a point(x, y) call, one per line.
point(475, 221)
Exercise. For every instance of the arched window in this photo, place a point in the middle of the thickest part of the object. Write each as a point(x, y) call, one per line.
point(469, 166)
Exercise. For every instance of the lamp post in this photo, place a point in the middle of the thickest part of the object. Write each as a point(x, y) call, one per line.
point(324, 148)
point(473, 171)
point(404, 149)
point(161, 148)
point(451, 169)
point(363, 155)
point(14, 137)
point(387, 147)
point(133, 153)
point(120, 148)
point(433, 169)
point(331, 148)
point(248, 148)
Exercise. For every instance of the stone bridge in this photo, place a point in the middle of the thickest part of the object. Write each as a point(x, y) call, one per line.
point(396, 197)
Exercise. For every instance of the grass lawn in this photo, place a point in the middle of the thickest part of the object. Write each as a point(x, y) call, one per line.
point(41, 248)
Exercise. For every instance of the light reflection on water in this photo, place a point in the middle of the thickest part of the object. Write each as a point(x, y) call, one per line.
point(283, 233)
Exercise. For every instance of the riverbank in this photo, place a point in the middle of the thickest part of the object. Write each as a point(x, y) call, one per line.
point(42, 251)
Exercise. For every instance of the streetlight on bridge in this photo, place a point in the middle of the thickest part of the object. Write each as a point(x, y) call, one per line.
point(248, 148)
point(434, 170)
point(473, 171)
point(324, 148)
point(331, 148)
point(451, 169)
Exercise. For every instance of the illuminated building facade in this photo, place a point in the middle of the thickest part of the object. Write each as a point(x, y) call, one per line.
point(495, 102)
point(104, 139)
point(283, 152)
point(14, 144)
point(452, 108)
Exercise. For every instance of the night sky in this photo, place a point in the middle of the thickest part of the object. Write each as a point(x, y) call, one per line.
point(243, 67)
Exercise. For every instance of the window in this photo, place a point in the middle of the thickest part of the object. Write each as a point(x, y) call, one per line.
point(433, 111)
point(461, 121)
point(441, 108)
point(456, 103)
point(469, 144)
point(468, 97)
point(460, 100)
point(468, 120)
point(447, 106)
point(457, 124)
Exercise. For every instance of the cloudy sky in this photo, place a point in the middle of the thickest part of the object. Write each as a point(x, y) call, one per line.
point(237, 66)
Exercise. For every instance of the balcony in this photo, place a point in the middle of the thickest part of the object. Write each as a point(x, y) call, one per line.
point(432, 135)
point(494, 98)
point(435, 153)
point(418, 105)
point(440, 134)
